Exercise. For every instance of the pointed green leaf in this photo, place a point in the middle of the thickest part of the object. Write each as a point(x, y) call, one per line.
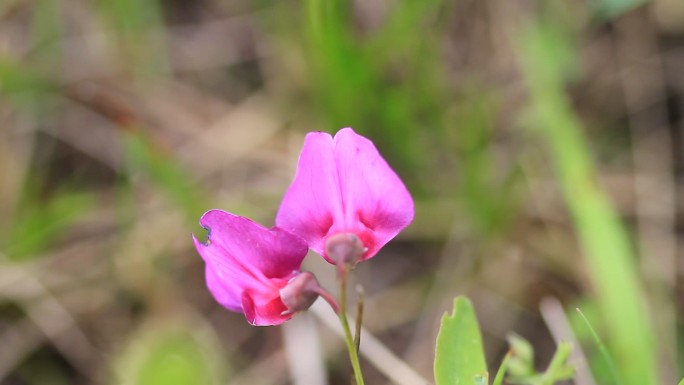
point(459, 357)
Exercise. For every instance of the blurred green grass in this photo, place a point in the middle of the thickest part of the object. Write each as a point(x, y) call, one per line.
point(609, 253)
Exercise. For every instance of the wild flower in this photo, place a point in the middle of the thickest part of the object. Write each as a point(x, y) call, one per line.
point(255, 270)
point(344, 194)
point(345, 203)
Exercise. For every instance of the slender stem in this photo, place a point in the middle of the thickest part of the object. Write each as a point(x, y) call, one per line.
point(348, 338)
point(328, 298)
point(359, 316)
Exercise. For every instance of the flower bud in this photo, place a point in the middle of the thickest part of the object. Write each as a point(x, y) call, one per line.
point(300, 292)
point(345, 249)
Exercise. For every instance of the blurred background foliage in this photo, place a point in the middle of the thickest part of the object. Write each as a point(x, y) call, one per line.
point(542, 141)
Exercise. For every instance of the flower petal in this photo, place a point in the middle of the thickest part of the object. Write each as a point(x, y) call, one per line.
point(264, 311)
point(376, 202)
point(313, 202)
point(274, 253)
point(247, 265)
point(226, 292)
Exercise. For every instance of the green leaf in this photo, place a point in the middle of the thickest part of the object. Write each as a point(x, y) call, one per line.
point(459, 357)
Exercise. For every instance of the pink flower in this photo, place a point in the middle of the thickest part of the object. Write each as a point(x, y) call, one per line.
point(344, 186)
point(248, 266)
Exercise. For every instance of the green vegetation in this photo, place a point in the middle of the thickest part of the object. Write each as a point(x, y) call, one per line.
point(459, 357)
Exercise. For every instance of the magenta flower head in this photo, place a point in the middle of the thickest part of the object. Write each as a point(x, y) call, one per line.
point(345, 198)
point(254, 270)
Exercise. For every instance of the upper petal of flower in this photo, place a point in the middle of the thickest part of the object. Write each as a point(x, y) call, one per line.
point(375, 199)
point(247, 265)
point(356, 191)
point(313, 203)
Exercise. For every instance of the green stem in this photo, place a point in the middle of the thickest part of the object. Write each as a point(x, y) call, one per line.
point(359, 317)
point(348, 338)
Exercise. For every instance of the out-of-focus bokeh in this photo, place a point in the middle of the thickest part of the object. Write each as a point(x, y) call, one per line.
point(541, 140)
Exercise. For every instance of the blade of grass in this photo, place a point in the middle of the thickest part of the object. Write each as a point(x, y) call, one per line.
point(608, 251)
point(22, 86)
point(498, 380)
point(166, 173)
point(558, 324)
point(367, 92)
point(39, 224)
point(602, 349)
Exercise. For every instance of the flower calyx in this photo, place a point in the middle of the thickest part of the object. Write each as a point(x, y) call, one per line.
point(345, 249)
point(300, 292)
